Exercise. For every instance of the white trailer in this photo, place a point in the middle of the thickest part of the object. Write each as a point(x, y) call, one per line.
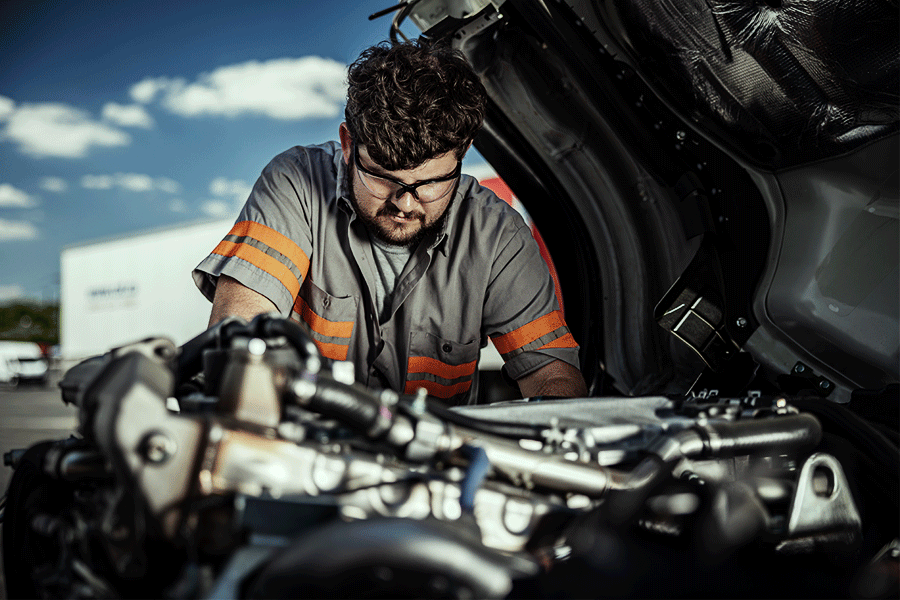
point(123, 290)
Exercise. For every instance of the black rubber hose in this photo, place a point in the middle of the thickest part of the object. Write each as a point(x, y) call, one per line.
point(190, 354)
point(783, 434)
point(354, 408)
point(499, 428)
point(267, 326)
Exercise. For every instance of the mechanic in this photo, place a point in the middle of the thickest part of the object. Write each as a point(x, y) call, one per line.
point(392, 258)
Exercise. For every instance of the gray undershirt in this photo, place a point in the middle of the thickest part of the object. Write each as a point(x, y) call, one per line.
point(390, 260)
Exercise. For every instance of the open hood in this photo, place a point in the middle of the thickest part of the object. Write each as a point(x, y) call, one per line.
point(716, 181)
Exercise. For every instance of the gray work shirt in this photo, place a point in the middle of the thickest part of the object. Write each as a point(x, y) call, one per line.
point(299, 243)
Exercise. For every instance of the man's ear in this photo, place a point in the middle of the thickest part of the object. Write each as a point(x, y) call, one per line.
point(346, 142)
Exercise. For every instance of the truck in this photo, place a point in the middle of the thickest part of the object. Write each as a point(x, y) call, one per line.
point(22, 362)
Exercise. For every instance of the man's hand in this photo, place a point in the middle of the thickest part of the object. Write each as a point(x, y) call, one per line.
point(234, 299)
point(556, 379)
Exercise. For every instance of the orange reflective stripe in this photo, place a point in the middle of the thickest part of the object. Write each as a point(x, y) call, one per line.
point(332, 351)
point(275, 241)
point(258, 258)
point(321, 325)
point(423, 364)
point(438, 390)
point(528, 333)
point(566, 341)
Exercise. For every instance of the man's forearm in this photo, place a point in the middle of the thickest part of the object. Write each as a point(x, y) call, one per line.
point(555, 379)
point(234, 299)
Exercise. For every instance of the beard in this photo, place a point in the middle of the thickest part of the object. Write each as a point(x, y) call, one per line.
point(394, 233)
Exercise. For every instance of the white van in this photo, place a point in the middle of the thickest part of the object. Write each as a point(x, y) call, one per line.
point(22, 362)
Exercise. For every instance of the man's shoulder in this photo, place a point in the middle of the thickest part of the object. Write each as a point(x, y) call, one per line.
point(486, 209)
point(306, 158)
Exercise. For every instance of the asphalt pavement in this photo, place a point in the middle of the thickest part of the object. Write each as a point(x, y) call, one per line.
point(30, 414)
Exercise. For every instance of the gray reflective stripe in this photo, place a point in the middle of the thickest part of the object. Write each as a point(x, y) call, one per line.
point(238, 239)
point(413, 377)
point(544, 339)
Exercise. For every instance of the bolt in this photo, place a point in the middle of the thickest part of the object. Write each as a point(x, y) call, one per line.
point(741, 322)
point(256, 347)
point(419, 405)
point(680, 135)
point(157, 447)
point(799, 368)
point(824, 384)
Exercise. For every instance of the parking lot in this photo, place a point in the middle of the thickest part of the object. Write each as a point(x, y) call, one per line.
point(29, 415)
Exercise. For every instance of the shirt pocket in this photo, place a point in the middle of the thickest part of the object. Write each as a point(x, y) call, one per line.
point(445, 368)
point(330, 320)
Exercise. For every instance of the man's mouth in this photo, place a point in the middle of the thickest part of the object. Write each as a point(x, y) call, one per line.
point(399, 217)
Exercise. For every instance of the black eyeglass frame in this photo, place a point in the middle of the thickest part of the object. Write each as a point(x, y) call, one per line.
point(403, 188)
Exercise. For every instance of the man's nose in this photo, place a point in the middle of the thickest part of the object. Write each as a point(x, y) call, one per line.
point(405, 203)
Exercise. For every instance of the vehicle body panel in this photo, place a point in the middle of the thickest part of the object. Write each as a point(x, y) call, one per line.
point(744, 154)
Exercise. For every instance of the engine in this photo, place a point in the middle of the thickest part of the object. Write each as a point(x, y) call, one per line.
point(245, 465)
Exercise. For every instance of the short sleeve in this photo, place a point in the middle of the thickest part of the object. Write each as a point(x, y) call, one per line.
point(521, 311)
point(268, 248)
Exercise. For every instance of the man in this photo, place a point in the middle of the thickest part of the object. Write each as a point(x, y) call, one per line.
point(392, 258)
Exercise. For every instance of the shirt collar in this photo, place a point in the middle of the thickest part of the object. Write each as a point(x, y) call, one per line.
point(442, 238)
point(343, 194)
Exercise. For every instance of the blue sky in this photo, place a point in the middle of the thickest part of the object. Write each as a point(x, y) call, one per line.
point(121, 116)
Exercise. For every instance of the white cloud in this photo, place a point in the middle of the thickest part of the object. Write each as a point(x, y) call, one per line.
point(97, 182)
point(216, 208)
point(133, 182)
point(132, 115)
point(236, 189)
point(285, 88)
point(12, 197)
point(11, 292)
point(59, 130)
point(177, 205)
point(17, 230)
point(57, 185)
point(164, 184)
point(148, 89)
point(7, 107)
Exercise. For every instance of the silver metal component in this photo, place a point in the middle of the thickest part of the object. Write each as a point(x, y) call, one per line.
point(419, 405)
point(313, 364)
point(823, 500)
point(401, 432)
point(303, 389)
point(544, 469)
point(741, 322)
point(680, 135)
point(291, 431)
point(157, 447)
point(389, 397)
point(256, 347)
point(343, 372)
point(531, 445)
point(251, 388)
point(159, 349)
point(431, 437)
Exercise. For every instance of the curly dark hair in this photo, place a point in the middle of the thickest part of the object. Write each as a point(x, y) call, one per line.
point(410, 102)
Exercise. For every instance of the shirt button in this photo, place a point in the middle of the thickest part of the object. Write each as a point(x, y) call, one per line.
point(446, 347)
